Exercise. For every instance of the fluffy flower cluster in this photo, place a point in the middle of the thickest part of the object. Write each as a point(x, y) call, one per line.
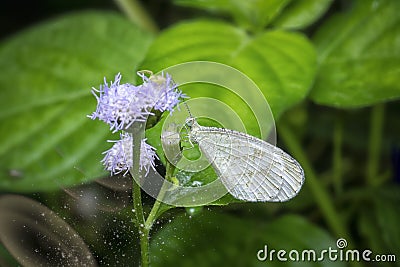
point(119, 158)
point(120, 105)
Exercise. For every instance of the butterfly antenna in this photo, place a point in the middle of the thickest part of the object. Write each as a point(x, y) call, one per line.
point(187, 107)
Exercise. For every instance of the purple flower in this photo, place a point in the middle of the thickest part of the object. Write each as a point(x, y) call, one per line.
point(162, 92)
point(120, 105)
point(119, 157)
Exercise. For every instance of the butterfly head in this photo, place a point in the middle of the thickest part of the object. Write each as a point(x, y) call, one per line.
point(190, 122)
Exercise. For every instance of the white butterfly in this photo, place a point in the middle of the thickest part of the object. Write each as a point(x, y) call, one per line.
point(250, 168)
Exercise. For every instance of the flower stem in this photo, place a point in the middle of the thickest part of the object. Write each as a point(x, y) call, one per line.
point(153, 213)
point(337, 154)
point(137, 14)
point(137, 130)
point(375, 138)
point(144, 226)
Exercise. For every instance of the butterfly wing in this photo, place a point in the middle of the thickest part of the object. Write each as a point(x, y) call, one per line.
point(251, 169)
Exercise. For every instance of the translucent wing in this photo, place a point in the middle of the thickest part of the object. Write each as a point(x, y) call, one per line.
point(251, 169)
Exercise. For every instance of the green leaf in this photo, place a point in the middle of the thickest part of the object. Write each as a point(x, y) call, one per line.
point(281, 63)
point(300, 14)
point(250, 14)
point(359, 54)
point(209, 5)
point(235, 241)
point(379, 223)
point(388, 210)
point(257, 14)
point(47, 74)
point(203, 177)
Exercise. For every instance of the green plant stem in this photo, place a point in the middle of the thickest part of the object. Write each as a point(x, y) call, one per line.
point(337, 155)
point(138, 134)
point(144, 226)
point(153, 213)
point(320, 194)
point(374, 146)
point(137, 14)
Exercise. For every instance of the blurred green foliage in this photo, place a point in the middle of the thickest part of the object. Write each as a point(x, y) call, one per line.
point(330, 71)
point(44, 108)
point(191, 237)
